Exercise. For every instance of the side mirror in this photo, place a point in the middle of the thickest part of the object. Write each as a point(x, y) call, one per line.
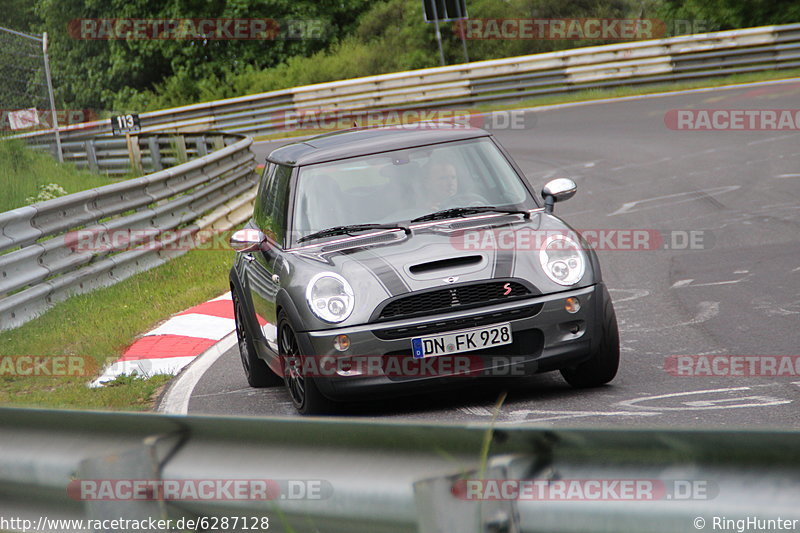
point(247, 240)
point(558, 190)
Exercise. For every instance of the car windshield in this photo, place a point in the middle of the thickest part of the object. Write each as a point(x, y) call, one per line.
point(405, 184)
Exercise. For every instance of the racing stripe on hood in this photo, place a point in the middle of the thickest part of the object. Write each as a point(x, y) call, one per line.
point(503, 264)
point(392, 281)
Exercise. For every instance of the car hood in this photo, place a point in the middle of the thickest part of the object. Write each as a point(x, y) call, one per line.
point(441, 256)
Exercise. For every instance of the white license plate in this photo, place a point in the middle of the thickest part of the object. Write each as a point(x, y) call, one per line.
point(461, 341)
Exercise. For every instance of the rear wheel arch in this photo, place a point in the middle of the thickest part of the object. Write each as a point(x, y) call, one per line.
point(244, 296)
point(256, 370)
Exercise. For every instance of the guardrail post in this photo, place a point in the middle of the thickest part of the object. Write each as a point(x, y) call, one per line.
point(217, 142)
point(134, 153)
point(91, 155)
point(440, 508)
point(202, 149)
point(155, 153)
point(180, 148)
point(142, 463)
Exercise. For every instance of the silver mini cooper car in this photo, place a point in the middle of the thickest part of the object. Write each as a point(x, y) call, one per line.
point(392, 260)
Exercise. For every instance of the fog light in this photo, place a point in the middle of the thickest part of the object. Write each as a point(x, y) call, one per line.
point(572, 305)
point(341, 342)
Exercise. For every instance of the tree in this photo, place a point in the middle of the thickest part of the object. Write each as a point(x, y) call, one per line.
point(102, 73)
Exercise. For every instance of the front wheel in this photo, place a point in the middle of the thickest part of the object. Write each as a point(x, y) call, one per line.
point(602, 366)
point(305, 395)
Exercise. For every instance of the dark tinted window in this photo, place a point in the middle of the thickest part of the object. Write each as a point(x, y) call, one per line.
point(403, 184)
point(270, 211)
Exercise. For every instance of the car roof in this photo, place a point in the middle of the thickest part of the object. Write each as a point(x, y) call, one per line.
point(371, 140)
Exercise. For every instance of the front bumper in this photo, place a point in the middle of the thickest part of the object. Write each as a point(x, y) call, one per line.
point(544, 338)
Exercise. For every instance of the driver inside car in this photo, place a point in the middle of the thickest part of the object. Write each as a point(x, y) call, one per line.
point(441, 186)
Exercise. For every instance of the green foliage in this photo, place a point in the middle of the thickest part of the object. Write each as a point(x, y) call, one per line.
point(390, 37)
point(18, 15)
point(47, 191)
point(731, 14)
point(363, 38)
point(100, 74)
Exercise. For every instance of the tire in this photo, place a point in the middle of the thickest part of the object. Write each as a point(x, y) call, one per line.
point(603, 364)
point(256, 371)
point(303, 391)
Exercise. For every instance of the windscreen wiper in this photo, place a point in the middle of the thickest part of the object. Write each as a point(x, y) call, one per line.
point(461, 211)
point(344, 230)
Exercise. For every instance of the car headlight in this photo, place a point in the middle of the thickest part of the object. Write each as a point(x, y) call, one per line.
point(562, 260)
point(330, 297)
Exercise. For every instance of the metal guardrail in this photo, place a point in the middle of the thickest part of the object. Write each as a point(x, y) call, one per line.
point(385, 477)
point(135, 154)
point(655, 61)
point(41, 262)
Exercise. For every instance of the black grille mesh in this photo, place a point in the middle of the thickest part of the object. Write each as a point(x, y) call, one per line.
point(442, 300)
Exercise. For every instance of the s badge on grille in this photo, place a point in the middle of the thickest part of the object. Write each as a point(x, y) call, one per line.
point(451, 279)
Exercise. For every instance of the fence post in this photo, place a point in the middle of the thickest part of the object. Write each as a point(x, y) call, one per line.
point(180, 148)
point(202, 149)
point(91, 155)
point(52, 98)
point(155, 153)
point(134, 152)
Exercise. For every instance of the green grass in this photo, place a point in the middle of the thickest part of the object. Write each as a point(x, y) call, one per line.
point(594, 94)
point(488, 436)
point(101, 324)
point(23, 170)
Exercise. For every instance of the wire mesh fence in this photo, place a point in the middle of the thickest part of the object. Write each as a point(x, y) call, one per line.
point(23, 84)
point(27, 102)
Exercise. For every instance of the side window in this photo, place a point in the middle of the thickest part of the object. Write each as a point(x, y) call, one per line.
point(263, 185)
point(273, 201)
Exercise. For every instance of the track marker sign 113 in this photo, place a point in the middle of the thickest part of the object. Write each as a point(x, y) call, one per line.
point(122, 124)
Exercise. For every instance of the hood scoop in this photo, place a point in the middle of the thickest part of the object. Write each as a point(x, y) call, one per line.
point(448, 264)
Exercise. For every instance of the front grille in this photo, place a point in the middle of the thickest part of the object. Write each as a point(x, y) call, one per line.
point(452, 298)
point(431, 328)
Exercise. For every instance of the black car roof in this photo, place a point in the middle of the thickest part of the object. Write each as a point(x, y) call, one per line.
point(373, 140)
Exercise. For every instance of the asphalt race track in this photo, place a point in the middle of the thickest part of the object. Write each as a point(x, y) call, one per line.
point(737, 293)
